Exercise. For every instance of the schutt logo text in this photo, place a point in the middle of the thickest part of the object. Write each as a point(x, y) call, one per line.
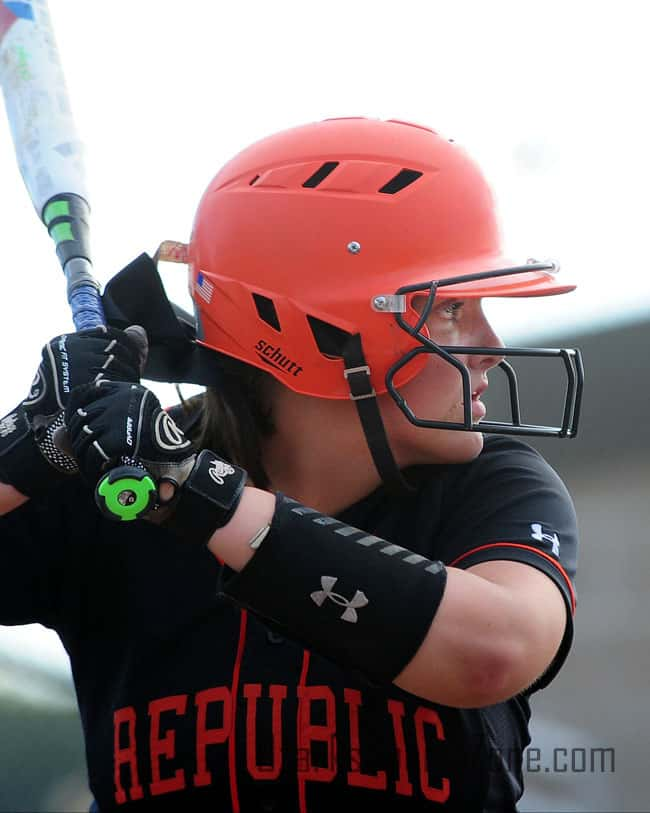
point(276, 358)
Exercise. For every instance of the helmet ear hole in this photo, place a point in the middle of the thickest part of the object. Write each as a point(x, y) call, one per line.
point(329, 339)
point(266, 311)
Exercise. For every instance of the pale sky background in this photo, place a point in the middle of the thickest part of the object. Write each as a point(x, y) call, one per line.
point(550, 97)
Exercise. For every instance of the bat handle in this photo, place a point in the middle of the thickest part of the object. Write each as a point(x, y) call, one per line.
point(128, 491)
point(66, 217)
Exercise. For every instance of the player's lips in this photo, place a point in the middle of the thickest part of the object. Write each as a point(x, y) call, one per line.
point(478, 407)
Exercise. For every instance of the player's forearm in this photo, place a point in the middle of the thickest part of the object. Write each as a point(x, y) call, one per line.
point(467, 654)
point(10, 499)
point(231, 544)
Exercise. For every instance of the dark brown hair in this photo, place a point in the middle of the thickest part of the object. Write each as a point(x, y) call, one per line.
point(235, 417)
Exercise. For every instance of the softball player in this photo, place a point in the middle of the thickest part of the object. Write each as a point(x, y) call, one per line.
point(352, 580)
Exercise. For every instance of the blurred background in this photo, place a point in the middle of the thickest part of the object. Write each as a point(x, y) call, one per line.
point(549, 97)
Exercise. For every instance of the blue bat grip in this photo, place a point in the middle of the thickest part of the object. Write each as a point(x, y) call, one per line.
point(86, 305)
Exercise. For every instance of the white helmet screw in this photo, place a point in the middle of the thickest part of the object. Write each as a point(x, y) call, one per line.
point(354, 247)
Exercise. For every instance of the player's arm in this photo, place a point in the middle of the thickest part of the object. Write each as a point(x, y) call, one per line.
point(448, 635)
point(10, 499)
point(497, 629)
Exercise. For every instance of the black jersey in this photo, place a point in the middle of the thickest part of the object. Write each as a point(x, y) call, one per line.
point(189, 703)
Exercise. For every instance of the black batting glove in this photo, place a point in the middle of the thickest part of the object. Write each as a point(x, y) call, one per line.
point(33, 455)
point(112, 423)
point(74, 359)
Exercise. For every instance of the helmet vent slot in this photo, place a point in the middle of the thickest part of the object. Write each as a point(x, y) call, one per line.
point(321, 173)
point(266, 311)
point(254, 181)
point(400, 181)
point(329, 339)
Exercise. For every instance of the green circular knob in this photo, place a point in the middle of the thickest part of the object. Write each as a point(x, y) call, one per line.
point(125, 493)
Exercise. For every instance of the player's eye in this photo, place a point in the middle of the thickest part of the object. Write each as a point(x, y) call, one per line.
point(452, 310)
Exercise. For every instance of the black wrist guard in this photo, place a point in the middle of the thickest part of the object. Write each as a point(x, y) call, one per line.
point(357, 599)
point(32, 466)
point(208, 498)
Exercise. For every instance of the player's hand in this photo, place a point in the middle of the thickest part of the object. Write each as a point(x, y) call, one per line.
point(74, 359)
point(32, 456)
point(110, 423)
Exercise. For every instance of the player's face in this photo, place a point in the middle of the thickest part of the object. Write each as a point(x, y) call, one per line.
point(436, 393)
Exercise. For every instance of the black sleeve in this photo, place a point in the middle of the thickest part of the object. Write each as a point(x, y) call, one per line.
point(510, 504)
point(31, 548)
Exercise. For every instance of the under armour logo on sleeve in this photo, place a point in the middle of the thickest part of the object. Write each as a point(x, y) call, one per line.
point(351, 605)
point(537, 532)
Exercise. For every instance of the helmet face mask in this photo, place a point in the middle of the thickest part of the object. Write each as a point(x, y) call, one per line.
point(569, 358)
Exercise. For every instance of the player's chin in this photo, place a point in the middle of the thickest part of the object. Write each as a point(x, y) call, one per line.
point(442, 446)
point(461, 445)
point(464, 446)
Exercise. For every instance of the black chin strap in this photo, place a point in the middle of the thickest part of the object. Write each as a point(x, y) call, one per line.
point(363, 394)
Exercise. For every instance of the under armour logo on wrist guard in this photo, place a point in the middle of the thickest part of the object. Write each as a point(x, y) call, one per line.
point(351, 606)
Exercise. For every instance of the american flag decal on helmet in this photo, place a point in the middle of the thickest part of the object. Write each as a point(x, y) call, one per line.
point(204, 287)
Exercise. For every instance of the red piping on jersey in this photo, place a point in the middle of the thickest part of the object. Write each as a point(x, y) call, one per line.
point(232, 755)
point(302, 801)
point(524, 547)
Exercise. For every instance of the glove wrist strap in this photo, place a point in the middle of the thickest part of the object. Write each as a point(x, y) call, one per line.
point(208, 498)
point(31, 467)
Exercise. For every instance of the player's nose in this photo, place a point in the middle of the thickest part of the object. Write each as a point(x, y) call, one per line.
point(485, 336)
